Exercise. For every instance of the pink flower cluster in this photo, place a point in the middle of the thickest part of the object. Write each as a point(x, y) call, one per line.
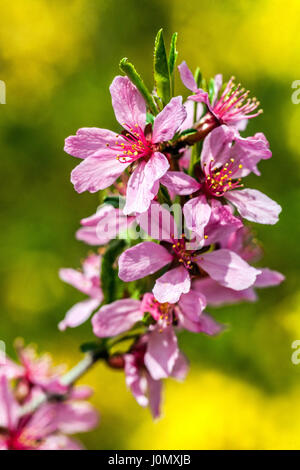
point(174, 275)
point(48, 426)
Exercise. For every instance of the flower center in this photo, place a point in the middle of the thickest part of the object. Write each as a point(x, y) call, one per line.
point(184, 256)
point(234, 104)
point(219, 180)
point(132, 146)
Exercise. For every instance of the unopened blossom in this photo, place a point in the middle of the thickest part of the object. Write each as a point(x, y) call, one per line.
point(106, 154)
point(88, 282)
point(225, 159)
point(233, 107)
point(47, 428)
point(162, 350)
point(241, 242)
point(184, 262)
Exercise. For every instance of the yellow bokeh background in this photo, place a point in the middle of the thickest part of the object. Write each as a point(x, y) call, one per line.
point(57, 59)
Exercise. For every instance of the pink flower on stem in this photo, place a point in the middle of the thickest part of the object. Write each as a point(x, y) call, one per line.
point(225, 159)
point(161, 353)
point(45, 429)
point(107, 154)
point(223, 265)
point(233, 107)
point(88, 282)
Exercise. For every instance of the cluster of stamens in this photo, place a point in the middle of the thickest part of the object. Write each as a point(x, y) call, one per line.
point(235, 105)
point(132, 146)
point(219, 180)
point(184, 256)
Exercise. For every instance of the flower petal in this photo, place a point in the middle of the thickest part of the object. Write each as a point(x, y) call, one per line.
point(141, 188)
point(141, 260)
point(158, 223)
point(217, 295)
point(135, 380)
point(197, 213)
point(228, 269)
point(79, 313)
point(170, 286)
point(162, 352)
point(88, 140)
point(216, 147)
point(154, 393)
point(180, 183)
point(255, 206)
point(168, 120)
point(129, 105)
point(191, 306)
point(97, 172)
point(9, 407)
point(180, 368)
point(187, 77)
point(248, 152)
point(268, 278)
point(117, 317)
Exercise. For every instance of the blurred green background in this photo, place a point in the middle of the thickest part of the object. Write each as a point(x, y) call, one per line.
point(58, 58)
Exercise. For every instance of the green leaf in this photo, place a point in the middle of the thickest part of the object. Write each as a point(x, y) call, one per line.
point(173, 53)
point(149, 118)
point(129, 70)
point(109, 274)
point(116, 201)
point(198, 77)
point(161, 69)
point(211, 89)
point(87, 347)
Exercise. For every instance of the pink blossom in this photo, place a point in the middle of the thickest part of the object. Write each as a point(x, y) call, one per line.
point(225, 159)
point(223, 265)
point(161, 352)
point(88, 282)
point(45, 428)
point(106, 154)
point(233, 107)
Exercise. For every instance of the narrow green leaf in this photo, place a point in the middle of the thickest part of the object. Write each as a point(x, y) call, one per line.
point(129, 70)
point(149, 118)
point(161, 69)
point(109, 275)
point(198, 77)
point(172, 61)
point(211, 89)
point(173, 53)
point(188, 131)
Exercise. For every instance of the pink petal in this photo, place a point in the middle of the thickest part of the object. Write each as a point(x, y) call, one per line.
point(218, 81)
point(9, 407)
point(191, 306)
point(77, 279)
point(60, 442)
point(170, 286)
point(97, 172)
point(187, 77)
point(141, 260)
point(180, 368)
point(80, 392)
point(88, 140)
point(222, 223)
point(209, 326)
point(154, 393)
point(76, 417)
point(117, 317)
point(189, 121)
point(158, 223)
point(128, 103)
point(135, 380)
point(162, 353)
point(249, 152)
point(268, 278)
point(217, 295)
point(255, 206)
point(168, 120)
point(197, 214)
point(180, 183)
point(228, 269)
point(78, 314)
point(141, 188)
point(217, 146)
